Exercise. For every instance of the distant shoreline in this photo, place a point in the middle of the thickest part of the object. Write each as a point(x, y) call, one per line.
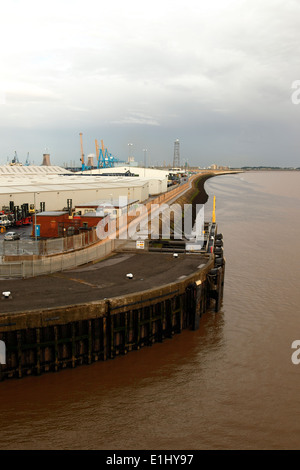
point(265, 168)
point(253, 168)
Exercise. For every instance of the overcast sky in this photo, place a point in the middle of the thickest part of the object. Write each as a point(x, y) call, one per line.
point(217, 75)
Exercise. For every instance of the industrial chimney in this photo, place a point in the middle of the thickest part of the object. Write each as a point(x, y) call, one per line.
point(90, 162)
point(46, 159)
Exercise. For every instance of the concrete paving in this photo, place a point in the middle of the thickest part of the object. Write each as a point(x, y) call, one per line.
point(105, 279)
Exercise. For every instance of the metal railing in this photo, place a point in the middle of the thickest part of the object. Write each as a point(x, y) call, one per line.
point(48, 247)
point(52, 264)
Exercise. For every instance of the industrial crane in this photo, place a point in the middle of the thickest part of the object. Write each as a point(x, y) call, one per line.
point(97, 148)
point(83, 166)
point(105, 159)
point(15, 159)
point(82, 154)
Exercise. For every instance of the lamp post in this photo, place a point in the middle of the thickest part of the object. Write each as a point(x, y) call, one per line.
point(35, 235)
point(34, 198)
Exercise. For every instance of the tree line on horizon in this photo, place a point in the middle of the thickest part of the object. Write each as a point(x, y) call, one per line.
point(268, 168)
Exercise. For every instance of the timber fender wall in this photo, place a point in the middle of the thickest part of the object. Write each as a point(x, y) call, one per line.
point(54, 339)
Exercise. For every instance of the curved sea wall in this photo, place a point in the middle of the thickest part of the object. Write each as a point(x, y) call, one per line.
point(52, 339)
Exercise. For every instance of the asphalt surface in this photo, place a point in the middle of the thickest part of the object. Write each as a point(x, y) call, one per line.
point(105, 279)
point(24, 231)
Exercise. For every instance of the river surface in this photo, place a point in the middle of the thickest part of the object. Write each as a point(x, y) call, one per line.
point(229, 385)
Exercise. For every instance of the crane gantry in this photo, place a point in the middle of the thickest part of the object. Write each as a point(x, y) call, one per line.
point(104, 158)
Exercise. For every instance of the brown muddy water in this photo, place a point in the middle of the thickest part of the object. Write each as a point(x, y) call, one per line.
point(229, 385)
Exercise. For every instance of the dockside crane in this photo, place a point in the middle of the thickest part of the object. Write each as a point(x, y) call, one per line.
point(97, 149)
point(82, 154)
point(15, 160)
point(104, 158)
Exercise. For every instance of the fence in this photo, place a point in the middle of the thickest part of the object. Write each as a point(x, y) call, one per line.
point(48, 247)
point(64, 253)
point(51, 264)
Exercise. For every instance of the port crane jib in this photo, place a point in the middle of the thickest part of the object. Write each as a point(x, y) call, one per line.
point(105, 159)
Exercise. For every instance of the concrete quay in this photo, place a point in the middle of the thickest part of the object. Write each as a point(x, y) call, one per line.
point(96, 312)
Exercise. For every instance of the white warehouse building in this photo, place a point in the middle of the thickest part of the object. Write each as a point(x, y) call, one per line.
point(157, 179)
point(54, 189)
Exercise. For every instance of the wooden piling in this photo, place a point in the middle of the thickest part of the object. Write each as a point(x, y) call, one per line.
point(73, 344)
point(38, 351)
point(19, 339)
point(44, 341)
point(56, 360)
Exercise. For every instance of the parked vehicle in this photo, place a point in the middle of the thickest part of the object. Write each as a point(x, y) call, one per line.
point(4, 220)
point(11, 236)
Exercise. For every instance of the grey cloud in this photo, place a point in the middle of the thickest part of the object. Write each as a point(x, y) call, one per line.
point(19, 97)
point(217, 75)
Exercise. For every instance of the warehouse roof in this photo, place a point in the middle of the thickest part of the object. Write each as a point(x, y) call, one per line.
point(32, 169)
point(52, 213)
point(105, 202)
point(42, 183)
point(148, 173)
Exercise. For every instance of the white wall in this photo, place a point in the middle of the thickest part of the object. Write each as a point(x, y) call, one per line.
point(57, 200)
point(142, 172)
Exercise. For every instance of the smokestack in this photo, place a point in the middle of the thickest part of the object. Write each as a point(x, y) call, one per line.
point(46, 159)
point(90, 162)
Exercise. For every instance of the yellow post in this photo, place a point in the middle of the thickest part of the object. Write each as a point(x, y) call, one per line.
point(214, 211)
